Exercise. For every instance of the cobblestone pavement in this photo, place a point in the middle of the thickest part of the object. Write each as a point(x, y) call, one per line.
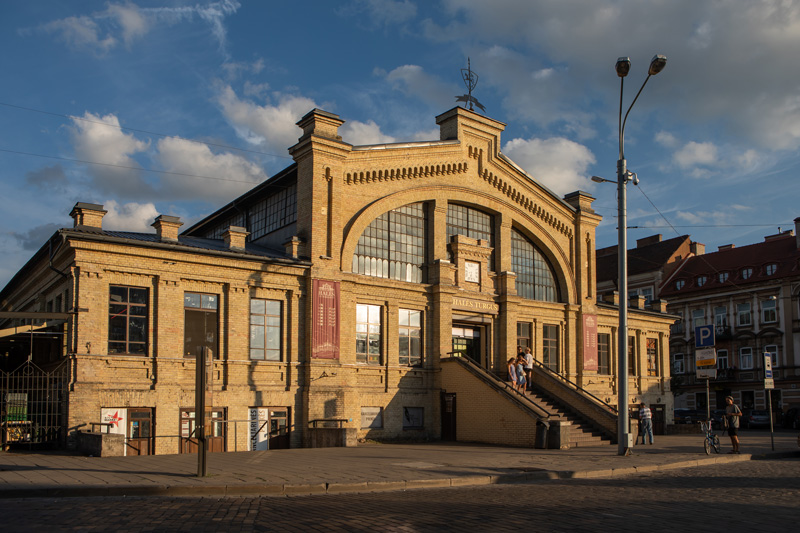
point(747, 496)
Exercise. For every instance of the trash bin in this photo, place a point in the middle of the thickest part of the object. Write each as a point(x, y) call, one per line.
point(542, 428)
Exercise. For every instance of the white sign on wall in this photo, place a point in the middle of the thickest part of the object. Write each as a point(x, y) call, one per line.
point(259, 429)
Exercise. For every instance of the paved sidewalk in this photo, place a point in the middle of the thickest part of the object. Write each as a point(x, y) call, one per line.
point(371, 467)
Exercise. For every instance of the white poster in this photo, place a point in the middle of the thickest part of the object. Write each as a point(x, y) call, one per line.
point(259, 429)
point(117, 418)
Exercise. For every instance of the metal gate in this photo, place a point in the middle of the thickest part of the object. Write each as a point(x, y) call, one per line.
point(33, 406)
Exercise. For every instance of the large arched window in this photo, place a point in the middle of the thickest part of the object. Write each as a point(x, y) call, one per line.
point(535, 277)
point(393, 245)
point(463, 220)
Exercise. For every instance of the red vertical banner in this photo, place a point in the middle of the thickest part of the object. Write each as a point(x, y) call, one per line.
point(325, 329)
point(590, 342)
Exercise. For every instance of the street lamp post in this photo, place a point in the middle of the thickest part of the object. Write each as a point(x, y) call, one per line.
point(623, 66)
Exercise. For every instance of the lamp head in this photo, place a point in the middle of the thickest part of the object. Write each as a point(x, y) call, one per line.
point(657, 64)
point(623, 66)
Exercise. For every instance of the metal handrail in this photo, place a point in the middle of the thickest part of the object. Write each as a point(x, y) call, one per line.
point(497, 378)
point(575, 385)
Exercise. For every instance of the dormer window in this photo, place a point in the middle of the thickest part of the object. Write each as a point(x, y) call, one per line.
point(701, 280)
point(771, 268)
point(723, 277)
point(747, 272)
point(679, 284)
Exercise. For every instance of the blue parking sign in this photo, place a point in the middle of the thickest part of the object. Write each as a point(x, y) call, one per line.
point(704, 336)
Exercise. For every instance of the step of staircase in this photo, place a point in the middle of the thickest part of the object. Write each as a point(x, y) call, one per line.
point(581, 434)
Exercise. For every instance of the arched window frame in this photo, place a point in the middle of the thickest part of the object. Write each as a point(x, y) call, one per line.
point(536, 277)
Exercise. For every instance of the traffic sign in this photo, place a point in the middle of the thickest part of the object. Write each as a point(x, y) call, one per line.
point(769, 383)
point(704, 336)
point(705, 357)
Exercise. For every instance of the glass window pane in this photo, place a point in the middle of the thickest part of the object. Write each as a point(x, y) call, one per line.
point(117, 328)
point(258, 320)
point(257, 306)
point(273, 307)
point(137, 295)
point(209, 301)
point(256, 337)
point(137, 331)
point(362, 312)
point(191, 299)
point(415, 318)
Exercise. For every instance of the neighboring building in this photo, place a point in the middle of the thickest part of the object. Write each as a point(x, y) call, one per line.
point(750, 294)
point(333, 294)
point(649, 264)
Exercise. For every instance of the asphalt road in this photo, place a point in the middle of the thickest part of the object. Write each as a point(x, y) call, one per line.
point(749, 496)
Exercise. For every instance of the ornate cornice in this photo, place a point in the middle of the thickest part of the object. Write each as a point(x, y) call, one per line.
point(394, 174)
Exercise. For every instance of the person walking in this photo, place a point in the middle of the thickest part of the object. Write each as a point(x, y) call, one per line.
point(732, 415)
point(512, 372)
point(521, 380)
point(646, 422)
point(529, 368)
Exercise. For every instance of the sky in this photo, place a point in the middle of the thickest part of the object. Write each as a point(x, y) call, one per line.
point(176, 107)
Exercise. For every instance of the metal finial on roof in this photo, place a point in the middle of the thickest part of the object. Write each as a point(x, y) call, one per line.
point(470, 80)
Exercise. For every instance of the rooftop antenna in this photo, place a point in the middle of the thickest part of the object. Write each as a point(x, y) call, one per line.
point(470, 80)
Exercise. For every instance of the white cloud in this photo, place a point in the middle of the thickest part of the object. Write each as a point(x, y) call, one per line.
point(273, 126)
point(693, 154)
point(358, 133)
point(557, 163)
point(664, 138)
point(412, 80)
point(134, 24)
point(81, 32)
point(131, 216)
point(231, 174)
point(381, 13)
point(100, 140)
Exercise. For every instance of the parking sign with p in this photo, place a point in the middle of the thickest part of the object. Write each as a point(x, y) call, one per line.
point(704, 336)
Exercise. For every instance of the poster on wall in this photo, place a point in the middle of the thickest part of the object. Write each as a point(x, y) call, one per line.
point(590, 342)
point(259, 429)
point(117, 418)
point(325, 327)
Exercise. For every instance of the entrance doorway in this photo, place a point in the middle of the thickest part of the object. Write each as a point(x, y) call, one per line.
point(467, 342)
point(215, 438)
point(279, 429)
point(448, 416)
point(140, 432)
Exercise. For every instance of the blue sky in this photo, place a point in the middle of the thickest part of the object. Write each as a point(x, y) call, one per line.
point(188, 104)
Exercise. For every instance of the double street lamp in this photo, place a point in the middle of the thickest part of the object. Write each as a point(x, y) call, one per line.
point(623, 66)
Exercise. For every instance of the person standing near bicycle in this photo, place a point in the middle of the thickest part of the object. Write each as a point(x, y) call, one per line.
point(646, 421)
point(732, 415)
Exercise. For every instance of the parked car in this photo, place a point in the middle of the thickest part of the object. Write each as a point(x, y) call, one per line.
point(717, 418)
point(791, 418)
point(688, 416)
point(756, 418)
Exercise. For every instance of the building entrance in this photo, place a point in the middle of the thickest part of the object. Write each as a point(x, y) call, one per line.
point(467, 342)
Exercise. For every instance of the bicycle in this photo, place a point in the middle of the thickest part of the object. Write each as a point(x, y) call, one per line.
point(711, 441)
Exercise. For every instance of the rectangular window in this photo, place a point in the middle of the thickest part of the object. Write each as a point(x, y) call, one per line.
point(265, 330)
point(721, 318)
point(201, 325)
point(368, 334)
point(632, 356)
point(677, 363)
point(410, 337)
point(652, 357)
point(524, 334)
point(550, 347)
point(413, 418)
point(746, 358)
point(127, 320)
point(722, 359)
point(603, 353)
point(743, 314)
point(677, 327)
point(772, 350)
point(698, 318)
point(769, 311)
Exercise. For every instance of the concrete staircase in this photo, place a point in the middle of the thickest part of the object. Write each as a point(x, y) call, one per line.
point(581, 431)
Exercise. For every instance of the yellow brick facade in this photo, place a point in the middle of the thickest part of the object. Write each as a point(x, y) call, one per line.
point(341, 190)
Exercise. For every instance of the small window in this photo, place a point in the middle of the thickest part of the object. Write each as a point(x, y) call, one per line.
point(772, 350)
point(746, 358)
point(652, 357)
point(769, 311)
point(743, 317)
point(747, 272)
point(265, 330)
point(722, 359)
point(721, 318)
point(410, 337)
point(723, 277)
point(677, 363)
point(603, 353)
point(679, 284)
point(413, 418)
point(127, 320)
point(698, 318)
point(771, 268)
point(701, 280)
point(368, 334)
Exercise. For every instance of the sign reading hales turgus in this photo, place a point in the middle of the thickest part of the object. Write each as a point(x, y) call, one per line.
point(325, 329)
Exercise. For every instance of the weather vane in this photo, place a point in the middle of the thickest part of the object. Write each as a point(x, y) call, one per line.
point(470, 80)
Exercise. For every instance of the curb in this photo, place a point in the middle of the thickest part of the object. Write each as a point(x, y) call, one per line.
point(304, 489)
